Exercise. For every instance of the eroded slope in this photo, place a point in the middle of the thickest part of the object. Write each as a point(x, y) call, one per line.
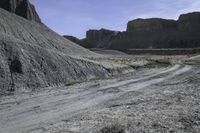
point(34, 56)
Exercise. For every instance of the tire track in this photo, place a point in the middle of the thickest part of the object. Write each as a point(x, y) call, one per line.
point(31, 114)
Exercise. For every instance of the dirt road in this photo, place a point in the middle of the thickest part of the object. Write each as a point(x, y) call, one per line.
point(62, 109)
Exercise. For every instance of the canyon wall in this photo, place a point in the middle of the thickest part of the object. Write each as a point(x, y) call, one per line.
point(150, 33)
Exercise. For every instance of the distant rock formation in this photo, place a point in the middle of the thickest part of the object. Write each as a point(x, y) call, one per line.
point(22, 8)
point(99, 38)
point(189, 22)
point(72, 38)
point(160, 33)
point(95, 38)
point(150, 33)
point(151, 25)
point(76, 40)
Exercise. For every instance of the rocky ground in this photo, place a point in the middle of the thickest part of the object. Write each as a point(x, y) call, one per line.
point(150, 100)
point(49, 84)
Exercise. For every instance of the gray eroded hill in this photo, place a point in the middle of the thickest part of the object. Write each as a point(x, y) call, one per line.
point(38, 34)
point(33, 56)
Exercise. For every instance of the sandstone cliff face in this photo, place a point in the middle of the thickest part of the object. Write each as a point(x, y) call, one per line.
point(33, 56)
point(151, 25)
point(131, 40)
point(150, 33)
point(22, 8)
point(98, 35)
point(95, 38)
point(189, 22)
point(186, 23)
point(99, 38)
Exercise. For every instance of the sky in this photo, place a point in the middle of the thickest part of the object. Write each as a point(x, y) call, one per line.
point(75, 17)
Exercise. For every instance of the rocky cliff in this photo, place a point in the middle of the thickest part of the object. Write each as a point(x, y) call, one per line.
point(189, 22)
point(150, 33)
point(99, 38)
point(22, 8)
point(160, 33)
point(151, 25)
point(33, 56)
point(95, 38)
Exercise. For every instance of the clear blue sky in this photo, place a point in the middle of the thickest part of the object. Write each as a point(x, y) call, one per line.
point(75, 17)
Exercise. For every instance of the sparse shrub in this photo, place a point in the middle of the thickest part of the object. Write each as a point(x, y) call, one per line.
point(93, 78)
point(96, 49)
point(115, 128)
point(73, 82)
